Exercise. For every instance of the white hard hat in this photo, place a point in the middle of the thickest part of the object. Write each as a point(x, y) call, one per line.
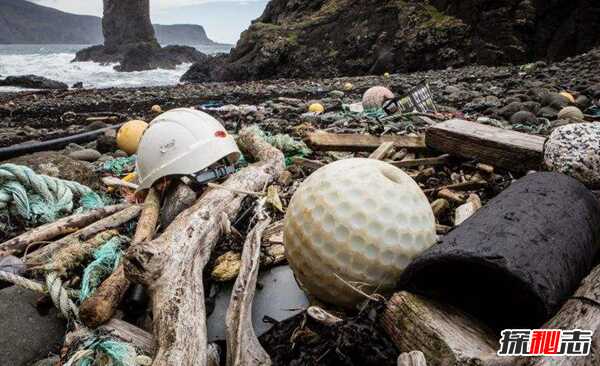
point(182, 141)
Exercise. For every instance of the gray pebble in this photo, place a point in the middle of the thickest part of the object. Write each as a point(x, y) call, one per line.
point(90, 155)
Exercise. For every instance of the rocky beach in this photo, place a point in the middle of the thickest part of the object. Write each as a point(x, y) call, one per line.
point(392, 183)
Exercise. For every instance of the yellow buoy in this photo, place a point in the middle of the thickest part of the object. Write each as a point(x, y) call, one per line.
point(130, 134)
point(316, 108)
point(156, 109)
point(386, 75)
point(348, 86)
point(569, 96)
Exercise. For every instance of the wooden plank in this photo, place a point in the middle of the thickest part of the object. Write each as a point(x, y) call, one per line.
point(511, 150)
point(413, 163)
point(323, 141)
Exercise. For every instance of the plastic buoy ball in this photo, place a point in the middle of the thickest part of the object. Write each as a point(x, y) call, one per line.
point(575, 150)
point(316, 108)
point(129, 136)
point(375, 97)
point(156, 109)
point(572, 113)
point(569, 96)
point(386, 75)
point(355, 221)
point(348, 86)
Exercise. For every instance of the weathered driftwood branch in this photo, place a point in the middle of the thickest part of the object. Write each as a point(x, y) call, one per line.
point(75, 253)
point(101, 306)
point(581, 311)
point(463, 212)
point(243, 347)
point(414, 358)
point(119, 330)
point(55, 229)
point(139, 338)
point(320, 315)
point(445, 335)
point(415, 163)
point(172, 265)
point(383, 151)
point(178, 197)
point(131, 334)
point(113, 221)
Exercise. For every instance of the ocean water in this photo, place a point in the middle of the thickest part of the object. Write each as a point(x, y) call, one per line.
point(54, 62)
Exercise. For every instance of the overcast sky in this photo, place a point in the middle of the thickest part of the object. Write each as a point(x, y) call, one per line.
point(229, 19)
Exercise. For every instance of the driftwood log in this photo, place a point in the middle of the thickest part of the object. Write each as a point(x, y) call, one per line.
point(414, 358)
point(101, 306)
point(243, 348)
point(58, 228)
point(444, 334)
point(581, 311)
point(172, 265)
point(512, 150)
point(113, 221)
point(506, 265)
point(178, 197)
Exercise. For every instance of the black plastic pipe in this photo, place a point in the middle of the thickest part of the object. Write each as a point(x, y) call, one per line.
point(55, 144)
point(515, 261)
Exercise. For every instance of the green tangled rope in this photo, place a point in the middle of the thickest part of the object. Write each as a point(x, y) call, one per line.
point(287, 144)
point(106, 260)
point(120, 166)
point(40, 198)
point(97, 347)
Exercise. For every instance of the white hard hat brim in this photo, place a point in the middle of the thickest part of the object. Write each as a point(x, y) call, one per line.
point(194, 161)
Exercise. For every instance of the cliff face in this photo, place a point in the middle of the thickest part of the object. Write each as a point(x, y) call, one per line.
point(25, 22)
point(313, 38)
point(190, 34)
point(22, 22)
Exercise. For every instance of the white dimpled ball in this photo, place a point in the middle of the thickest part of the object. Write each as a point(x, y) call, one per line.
point(356, 222)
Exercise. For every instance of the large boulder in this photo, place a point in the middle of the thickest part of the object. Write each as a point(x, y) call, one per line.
point(327, 38)
point(33, 82)
point(60, 166)
point(575, 150)
point(27, 336)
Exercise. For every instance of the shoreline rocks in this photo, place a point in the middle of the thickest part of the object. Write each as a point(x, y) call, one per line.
point(33, 82)
point(129, 39)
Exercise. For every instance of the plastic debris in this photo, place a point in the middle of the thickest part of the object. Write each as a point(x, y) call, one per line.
point(120, 166)
point(353, 226)
point(316, 108)
point(129, 136)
